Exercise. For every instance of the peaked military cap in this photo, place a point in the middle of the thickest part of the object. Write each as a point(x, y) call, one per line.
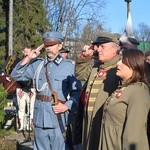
point(128, 43)
point(52, 38)
point(133, 41)
point(64, 50)
point(106, 37)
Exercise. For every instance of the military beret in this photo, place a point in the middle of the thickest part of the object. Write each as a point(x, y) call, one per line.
point(52, 38)
point(64, 50)
point(106, 37)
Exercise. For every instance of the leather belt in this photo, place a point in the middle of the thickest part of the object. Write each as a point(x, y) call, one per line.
point(44, 98)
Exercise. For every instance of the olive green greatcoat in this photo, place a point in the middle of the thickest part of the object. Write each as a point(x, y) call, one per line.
point(92, 122)
point(83, 69)
point(124, 119)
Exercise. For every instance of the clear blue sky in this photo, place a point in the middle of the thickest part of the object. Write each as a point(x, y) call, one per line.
point(116, 13)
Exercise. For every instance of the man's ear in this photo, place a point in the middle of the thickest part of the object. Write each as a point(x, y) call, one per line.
point(60, 46)
point(114, 49)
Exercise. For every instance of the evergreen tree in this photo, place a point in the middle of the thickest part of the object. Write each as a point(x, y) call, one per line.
point(3, 30)
point(29, 23)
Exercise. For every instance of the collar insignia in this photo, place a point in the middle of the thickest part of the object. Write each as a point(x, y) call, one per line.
point(101, 73)
point(58, 59)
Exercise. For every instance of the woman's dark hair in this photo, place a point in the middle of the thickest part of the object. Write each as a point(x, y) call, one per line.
point(135, 60)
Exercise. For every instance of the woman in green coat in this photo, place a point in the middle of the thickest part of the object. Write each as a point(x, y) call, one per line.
point(125, 111)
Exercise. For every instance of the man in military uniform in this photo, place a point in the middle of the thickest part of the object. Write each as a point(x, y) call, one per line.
point(84, 64)
point(25, 98)
point(101, 84)
point(53, 79)
point(64, 52)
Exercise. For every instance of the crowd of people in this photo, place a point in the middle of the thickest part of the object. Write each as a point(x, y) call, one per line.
point(100, 101)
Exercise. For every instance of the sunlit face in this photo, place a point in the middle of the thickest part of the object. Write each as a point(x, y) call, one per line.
point(123, 71)
point(53, 50)
point(26, 51)
point(105, 51)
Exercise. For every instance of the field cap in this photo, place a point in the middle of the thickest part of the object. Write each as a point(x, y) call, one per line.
point(64, 50)
point(52, 38)
point(133, 41)
point(106, 37)
point(128, 43)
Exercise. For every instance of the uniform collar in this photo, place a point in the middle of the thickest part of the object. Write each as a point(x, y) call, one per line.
point(110, 62)
point(58, 59)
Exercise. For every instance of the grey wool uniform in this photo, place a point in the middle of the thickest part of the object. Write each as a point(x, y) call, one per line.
point(63, 81)
point(124, 119)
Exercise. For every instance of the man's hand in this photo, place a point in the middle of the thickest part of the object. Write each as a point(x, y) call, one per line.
point(88, 50)
point(33, 54)
point(39, 48)
point(60, 108)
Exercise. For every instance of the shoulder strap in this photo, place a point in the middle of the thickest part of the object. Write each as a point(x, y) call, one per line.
point(48, 81)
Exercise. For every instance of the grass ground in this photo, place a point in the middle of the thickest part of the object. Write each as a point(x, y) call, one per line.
point(6, 143)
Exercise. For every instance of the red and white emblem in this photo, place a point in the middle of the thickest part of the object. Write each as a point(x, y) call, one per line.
point(101, 73)
point(118, 93)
